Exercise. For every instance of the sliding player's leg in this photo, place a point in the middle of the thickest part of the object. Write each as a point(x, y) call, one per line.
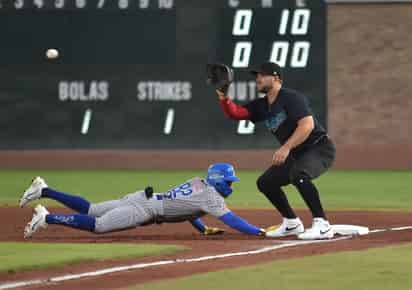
point(39, 189)
point(121, 218)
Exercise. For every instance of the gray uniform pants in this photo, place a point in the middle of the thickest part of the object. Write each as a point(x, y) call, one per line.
point(130, 211)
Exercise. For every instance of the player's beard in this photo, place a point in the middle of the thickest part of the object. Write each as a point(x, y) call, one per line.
point(265, 89)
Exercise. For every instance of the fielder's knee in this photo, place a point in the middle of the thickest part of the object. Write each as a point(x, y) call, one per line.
point(266, 185)
point(299, 178)
point(261, 184)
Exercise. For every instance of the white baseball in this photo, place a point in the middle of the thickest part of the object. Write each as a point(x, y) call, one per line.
point(52, 53)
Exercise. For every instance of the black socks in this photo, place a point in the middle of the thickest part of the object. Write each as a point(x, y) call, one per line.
point(278, 198)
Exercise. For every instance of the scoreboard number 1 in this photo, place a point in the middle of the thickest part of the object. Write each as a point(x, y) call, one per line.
point(170, 117)
point(295, 54)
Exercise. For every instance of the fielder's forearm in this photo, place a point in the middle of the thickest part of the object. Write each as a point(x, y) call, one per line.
point(233, 110)
point(302, 132)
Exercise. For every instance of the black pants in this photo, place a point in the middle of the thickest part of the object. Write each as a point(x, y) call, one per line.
point(299, 169)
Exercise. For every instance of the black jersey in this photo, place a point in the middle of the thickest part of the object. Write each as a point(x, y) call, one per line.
point(282, 117)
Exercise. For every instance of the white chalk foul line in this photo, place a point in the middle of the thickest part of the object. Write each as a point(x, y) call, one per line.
point(101, 272)
point(281, 245)
point(401, 228)
point(391, 229)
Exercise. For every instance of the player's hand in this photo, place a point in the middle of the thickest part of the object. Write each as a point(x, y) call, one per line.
point(280, 155)
point(209, 231)
point(221, 95)
point(268, 229)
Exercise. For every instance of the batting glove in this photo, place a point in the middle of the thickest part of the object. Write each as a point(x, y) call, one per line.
point(213, 231)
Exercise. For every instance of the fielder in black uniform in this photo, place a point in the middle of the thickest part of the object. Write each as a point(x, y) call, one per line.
point(305, 153)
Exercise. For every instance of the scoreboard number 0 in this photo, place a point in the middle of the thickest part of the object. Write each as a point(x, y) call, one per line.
point(300, 53)
point(245, 127)
point(241, 56)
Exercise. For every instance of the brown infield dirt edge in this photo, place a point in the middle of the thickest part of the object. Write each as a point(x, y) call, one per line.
point(183, 234)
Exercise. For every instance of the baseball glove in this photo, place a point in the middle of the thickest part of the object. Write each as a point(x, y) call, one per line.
point(220, 76)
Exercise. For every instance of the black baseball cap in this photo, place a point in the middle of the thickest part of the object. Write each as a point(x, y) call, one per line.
point(268, 68)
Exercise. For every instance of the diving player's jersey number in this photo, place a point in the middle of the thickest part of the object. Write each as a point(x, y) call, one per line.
point(185, 189)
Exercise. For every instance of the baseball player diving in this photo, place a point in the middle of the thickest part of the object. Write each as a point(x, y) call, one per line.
point(186, 202)
point(305, 151)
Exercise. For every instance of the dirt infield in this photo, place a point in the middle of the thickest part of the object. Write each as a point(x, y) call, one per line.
point(183, 234)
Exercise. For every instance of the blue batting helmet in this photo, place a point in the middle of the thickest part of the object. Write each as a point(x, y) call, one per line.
point(220, 176)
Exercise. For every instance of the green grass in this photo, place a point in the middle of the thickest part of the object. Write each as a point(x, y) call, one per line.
point(27, 256)
point(339, 189)
point(376, 269)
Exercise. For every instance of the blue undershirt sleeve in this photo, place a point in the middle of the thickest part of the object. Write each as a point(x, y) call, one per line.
point(237, 223)
point(198, 225)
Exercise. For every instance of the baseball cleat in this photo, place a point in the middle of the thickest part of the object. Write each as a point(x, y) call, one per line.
point(320, 230)
point(38, 221)
point(289, 227)
point(34, 191)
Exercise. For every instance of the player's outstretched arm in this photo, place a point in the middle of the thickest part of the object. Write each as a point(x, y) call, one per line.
point(239, 224)
point(203, 229)
point(231, 109)
point(198, 225)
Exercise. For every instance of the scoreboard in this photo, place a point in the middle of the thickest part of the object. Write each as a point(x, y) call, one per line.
point(131, 73)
